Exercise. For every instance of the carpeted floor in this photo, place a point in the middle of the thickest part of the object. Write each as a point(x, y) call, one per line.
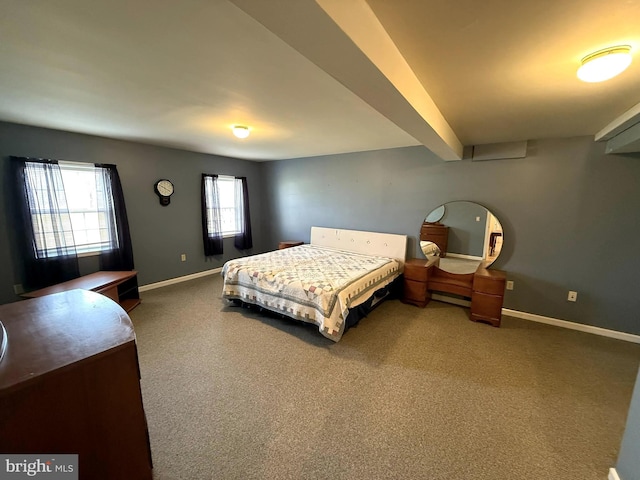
point(409, 393)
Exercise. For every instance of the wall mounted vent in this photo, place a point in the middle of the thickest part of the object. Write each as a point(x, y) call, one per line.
point(499, 151)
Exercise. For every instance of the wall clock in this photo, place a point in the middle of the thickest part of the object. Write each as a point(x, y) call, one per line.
point(164, 190)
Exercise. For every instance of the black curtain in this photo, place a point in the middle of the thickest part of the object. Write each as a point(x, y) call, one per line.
point(121, 257)
point(243, 240)
point(41, 210)
point(211, 226)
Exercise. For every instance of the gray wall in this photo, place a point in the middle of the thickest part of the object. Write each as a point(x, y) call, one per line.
point(627, 467)
point(569, 214)
point(159, 234)
point(466, 235)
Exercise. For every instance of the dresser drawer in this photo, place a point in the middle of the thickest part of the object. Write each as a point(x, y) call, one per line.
point(486, 308)
point(434, 235)
point(415, 290)
point(416, 271)
point(435, 238)
point(415, 293)
point(434, 229)
point(492, 284)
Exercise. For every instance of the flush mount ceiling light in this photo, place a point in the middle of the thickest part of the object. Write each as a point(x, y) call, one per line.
point(240, 131)
point(605, 64)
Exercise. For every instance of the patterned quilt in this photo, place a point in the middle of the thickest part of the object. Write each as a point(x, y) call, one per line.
point(310, 283)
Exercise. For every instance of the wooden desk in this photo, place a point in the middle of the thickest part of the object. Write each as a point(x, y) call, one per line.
point(119, 286)
point(70, 383)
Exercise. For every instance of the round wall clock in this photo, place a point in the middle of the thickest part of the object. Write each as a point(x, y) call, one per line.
point(164, 189)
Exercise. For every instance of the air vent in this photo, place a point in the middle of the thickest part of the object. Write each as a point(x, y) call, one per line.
point(499, 151)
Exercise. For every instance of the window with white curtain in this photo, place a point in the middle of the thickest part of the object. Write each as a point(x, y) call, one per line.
point(90, 225)
point(229, 205)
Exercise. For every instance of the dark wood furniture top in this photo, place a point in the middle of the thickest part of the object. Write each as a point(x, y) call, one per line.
point(436, 233)
point(289, 244)
point(70, 383)
point(119, 286)
point(90, 325)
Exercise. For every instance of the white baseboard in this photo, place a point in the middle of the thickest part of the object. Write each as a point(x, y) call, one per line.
point(628, 337)
point(173, 281)
point(613, 475)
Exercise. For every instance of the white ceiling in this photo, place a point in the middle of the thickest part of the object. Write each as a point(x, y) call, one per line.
point(314, 77)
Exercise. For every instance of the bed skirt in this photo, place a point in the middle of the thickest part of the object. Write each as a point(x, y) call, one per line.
point(391, 291)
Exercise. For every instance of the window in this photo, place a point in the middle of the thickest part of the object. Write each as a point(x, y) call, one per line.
point(229, 205)
point(227, 189)
point(80, 218)
point(225, 213)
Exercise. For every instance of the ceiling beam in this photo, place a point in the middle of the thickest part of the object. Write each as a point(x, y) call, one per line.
point(347, 41)
point(620, 124)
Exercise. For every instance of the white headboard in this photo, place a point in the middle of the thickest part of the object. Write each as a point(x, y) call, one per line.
point(370, 243)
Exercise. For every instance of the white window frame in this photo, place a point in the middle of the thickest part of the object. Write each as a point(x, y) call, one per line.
point(84, 249)
point(227, 191)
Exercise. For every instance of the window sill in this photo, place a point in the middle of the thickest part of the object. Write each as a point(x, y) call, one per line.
point(88, 254)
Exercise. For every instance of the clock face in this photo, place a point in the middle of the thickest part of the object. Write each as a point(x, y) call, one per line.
point(165, 188)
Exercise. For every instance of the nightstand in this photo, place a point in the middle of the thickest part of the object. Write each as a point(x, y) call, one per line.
point(416, 276)
point(289, 244)
point(488, 296)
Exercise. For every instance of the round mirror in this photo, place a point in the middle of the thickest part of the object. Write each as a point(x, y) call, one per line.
point(436, 215)
point(466, 236)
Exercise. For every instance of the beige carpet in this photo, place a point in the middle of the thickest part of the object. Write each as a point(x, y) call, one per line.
point(409, 393)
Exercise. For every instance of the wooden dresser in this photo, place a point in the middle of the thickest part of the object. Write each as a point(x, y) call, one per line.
point(70, 383)
point(436, 233)
point(485, 288)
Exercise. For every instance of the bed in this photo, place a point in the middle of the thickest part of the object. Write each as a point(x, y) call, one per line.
point(331, 282)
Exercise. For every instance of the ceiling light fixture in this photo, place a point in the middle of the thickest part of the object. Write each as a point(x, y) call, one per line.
point(605, 64)
point(240, 131)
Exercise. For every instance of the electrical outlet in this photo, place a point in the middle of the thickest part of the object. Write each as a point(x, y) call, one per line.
point(183, 257)
point(573, 296)
point(509, 284)
point(18, 289)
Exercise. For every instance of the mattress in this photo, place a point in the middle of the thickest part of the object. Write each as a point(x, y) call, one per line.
point(310, 283)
